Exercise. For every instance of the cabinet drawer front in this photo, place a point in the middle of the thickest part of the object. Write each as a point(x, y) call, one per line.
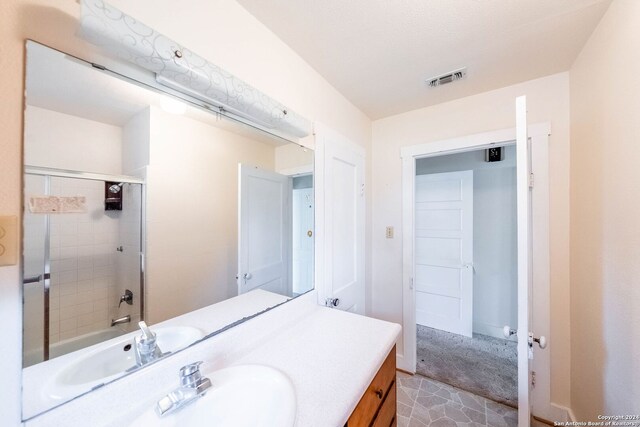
point(387, 413)
point(375, 394)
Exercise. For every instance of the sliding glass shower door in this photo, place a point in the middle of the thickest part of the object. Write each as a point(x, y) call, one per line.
point(83, 281)
point(35, 266)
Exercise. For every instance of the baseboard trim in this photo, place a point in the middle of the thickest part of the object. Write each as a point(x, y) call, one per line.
point(490, 330)
point(563, 413)
point(542, 420)
point(400, 365)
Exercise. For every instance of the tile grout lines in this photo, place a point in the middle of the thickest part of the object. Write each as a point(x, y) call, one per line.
point(423, 402)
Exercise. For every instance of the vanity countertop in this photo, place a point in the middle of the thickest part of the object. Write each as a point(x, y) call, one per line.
point(330, 356)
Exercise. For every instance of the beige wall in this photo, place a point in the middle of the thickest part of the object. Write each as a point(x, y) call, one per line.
point(219, 30)
point(292, 159)
point(605, 236)
point(192, 239)
point(547, 101)
point(59, 140)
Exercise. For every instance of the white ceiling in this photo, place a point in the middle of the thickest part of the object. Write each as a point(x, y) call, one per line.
point(379, 52)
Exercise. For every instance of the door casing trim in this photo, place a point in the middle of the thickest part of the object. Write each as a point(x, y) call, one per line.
point(539, 135)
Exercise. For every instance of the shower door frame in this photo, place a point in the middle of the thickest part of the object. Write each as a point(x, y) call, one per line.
point(48, 173)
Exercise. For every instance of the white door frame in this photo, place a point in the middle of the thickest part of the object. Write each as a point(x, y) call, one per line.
point(539, 136)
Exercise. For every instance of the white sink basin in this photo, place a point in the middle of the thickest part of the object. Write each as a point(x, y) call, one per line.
point(240, 396)
point(112, 359)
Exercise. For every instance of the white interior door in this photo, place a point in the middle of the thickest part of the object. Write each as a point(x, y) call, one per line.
point(444, 251)
point(303, 239)
point(264, 231)
point(523, 165)
point(340, 223)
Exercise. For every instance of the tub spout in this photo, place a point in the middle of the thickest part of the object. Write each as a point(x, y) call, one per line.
point(121, 320)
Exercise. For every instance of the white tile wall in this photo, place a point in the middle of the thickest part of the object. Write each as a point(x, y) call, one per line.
point(83, 248)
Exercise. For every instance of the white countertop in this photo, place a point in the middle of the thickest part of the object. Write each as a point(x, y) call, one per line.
point(330, 356)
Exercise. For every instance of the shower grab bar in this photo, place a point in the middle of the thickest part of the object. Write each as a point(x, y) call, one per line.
point(36, 279)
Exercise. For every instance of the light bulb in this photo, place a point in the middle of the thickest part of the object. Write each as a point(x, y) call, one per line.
point(173, 106)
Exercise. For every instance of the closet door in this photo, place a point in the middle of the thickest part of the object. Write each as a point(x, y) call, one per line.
point(444, 251)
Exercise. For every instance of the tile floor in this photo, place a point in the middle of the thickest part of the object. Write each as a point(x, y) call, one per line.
point(423, 402)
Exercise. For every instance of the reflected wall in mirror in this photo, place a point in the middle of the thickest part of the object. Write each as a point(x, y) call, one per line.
point(139, 206)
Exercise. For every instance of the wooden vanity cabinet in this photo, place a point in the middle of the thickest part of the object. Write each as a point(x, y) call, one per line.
point(377, 407)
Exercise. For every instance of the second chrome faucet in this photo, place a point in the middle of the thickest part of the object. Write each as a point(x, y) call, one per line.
point(192, 386)
point(146, 347)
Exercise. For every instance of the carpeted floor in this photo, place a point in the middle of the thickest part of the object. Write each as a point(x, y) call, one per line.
point(482, 365)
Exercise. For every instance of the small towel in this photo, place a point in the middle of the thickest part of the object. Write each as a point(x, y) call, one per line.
point(55, 204)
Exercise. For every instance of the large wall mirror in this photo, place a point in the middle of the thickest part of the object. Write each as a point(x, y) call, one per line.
point(139, 206)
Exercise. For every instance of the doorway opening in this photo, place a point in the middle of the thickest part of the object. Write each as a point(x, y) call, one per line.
point(465, 264)
point(275, 230)
point(533, 295)
point(302, 234)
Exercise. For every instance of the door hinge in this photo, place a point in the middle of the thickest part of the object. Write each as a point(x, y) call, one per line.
point(411, 283)
point(531, 180)
point(533, 379)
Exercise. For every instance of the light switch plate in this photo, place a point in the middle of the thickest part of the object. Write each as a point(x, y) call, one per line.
point(8, 240)
point(389, 232)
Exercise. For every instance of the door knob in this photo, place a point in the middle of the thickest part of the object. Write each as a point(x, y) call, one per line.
point(332, 302)
point(507, 331)
point(542, 341)
point(245, 277)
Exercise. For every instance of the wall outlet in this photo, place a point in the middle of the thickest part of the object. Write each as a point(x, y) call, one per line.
point(8, 240)
point(389, 232)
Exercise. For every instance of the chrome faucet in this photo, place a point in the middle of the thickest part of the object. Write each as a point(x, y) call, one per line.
point(192, 386)
point(146, 348)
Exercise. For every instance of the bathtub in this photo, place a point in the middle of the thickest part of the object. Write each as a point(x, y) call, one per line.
point(82, 341)
point(72, 344)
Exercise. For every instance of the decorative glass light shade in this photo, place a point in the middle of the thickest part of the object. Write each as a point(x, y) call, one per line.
point(183, 70)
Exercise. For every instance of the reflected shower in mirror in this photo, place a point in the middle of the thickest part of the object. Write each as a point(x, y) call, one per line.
point(142, 207)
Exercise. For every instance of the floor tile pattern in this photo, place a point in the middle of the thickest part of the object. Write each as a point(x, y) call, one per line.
point(423, 402)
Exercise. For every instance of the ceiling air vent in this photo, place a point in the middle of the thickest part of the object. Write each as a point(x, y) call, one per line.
point(447, 78)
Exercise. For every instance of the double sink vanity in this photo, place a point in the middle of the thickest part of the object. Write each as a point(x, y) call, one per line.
point(298, 364)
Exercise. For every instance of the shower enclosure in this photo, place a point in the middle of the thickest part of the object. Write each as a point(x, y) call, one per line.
point(83, 277)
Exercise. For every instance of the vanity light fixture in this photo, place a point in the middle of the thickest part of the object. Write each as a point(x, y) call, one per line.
point(181, 69)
